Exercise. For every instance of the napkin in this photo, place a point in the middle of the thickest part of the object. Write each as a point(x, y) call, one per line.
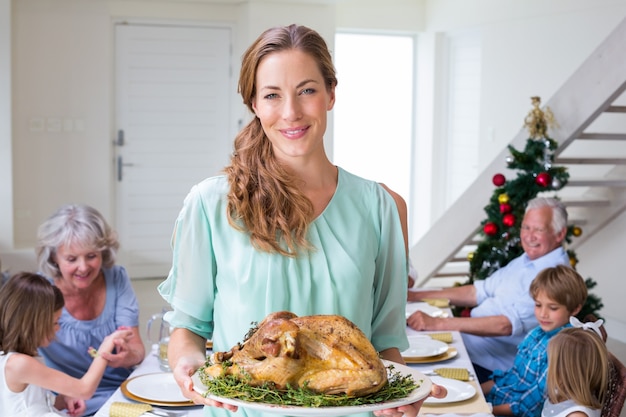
point(437, 302)
point(461, 374)
point(120, 409)
point(445, 337)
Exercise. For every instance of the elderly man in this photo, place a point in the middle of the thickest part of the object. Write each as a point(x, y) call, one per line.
point(503, 310)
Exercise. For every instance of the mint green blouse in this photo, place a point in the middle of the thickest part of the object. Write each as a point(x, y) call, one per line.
point(219, 284)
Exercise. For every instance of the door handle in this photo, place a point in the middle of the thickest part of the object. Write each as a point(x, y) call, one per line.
point(120, 165)
point(119, 141)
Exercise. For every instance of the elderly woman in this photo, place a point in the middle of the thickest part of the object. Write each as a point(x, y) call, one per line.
point(76, 250)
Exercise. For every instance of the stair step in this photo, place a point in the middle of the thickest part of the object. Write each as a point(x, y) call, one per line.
point(591, 161)
point(587, 203)
point(603, 136)
point(596, 183)
point(616, 109)
point(450, 274)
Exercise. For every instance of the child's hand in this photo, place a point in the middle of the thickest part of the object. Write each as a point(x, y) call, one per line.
point(115, 339)
point(74, 407)
point(118, 341)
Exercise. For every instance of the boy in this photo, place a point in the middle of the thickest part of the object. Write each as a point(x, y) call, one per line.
point(559, 293)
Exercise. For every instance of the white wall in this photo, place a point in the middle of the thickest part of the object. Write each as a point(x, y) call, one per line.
point(6, 195)
point(601, 258)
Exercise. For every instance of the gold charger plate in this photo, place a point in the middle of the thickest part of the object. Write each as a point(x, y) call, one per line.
point(156, 389)
point(449, 354)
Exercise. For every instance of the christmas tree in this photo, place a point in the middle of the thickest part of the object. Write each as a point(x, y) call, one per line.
point(536, 174)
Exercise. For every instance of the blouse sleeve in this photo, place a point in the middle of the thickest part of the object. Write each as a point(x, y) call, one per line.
point(189, 287)
point(390, 283)
point(126, 305)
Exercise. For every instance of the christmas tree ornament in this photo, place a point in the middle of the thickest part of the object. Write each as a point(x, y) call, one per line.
point(503, 198)
point(505, 208)
point(537, 120)
point(547, 154)
point(470, 256)
point(498, 180)
point(509, 160)
point(573, 262)
point(577, 231)
point(556, 183)
point(508, 220)
point(543, 179)
point(490, 228)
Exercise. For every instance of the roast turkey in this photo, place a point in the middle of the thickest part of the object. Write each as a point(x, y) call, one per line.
point(326, 353)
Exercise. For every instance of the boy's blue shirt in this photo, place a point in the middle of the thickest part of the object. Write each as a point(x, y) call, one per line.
point(523, 385)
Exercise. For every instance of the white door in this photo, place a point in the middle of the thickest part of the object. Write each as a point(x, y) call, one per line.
point(172, 118)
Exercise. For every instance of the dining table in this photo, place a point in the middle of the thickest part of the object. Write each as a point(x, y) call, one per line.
point(455, 357)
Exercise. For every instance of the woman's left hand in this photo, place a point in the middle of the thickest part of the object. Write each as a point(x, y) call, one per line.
point(411, 410)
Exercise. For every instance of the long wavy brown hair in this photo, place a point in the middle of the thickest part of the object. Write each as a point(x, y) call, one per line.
point(264, 199)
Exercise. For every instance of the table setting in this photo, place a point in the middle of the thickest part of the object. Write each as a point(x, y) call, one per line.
point(435, 357)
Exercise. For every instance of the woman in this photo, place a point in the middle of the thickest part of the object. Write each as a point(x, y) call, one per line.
point(77, 248)
point(284, 229)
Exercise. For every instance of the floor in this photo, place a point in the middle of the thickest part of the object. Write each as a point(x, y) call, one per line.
point(150, 302)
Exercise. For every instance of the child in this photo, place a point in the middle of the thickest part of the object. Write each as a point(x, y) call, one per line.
point(578, 374)
point(30, 307)
point(559, 293)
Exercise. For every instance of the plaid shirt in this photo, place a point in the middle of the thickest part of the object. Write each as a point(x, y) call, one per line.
point(523, 386)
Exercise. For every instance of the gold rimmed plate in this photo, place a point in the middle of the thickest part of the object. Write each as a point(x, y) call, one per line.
point(449, 354)
point(425, 348)
point(156, 389)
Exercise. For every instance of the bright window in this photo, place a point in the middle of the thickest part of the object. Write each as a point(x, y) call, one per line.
point(373, 121)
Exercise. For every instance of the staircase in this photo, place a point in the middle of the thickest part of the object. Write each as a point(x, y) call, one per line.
point(590, 109)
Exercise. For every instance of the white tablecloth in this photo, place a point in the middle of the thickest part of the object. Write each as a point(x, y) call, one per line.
point(150, 365)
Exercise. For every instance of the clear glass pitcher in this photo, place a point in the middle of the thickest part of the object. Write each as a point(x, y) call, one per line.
point(163, 337)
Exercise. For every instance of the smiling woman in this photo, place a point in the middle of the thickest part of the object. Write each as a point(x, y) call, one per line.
point(284, 226)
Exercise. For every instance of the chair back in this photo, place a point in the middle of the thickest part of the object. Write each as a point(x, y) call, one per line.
point(617, 389)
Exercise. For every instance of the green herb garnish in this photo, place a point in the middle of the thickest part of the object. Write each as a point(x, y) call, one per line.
point(230, 386)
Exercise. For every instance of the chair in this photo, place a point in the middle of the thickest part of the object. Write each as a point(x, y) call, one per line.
point(616, 394)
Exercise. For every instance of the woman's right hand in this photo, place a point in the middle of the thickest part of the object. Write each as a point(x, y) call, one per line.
point(184, 369)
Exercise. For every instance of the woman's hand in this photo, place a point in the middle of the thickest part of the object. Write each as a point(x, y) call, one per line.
point(185, 368)
point(186, 352)
point(411, 410)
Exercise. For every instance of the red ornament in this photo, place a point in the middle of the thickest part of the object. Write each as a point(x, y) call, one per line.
point(490, 228)
point(508, 220)
point(505, 208)
point(498, 180)
point(543, 179)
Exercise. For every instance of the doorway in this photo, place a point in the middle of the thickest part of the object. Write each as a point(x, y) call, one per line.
point(172, 124)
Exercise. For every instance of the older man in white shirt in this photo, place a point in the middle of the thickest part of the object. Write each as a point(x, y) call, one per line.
point(503, 310)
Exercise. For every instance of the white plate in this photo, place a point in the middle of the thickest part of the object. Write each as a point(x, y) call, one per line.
point(158, 388)
point(425, 348)
point(412, 307)
point(457, 391)
point(422, 391)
